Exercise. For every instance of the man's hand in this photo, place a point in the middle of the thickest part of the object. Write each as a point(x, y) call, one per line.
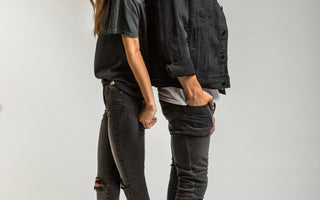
point(193, 89)
point(201, 99)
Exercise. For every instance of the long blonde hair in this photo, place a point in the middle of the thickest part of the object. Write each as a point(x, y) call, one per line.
point(99, 7)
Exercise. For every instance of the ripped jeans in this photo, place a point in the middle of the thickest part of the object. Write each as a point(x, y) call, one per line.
point(121, 148)
point(190, 128)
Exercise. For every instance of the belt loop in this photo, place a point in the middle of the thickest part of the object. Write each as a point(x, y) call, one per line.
point(106, 82)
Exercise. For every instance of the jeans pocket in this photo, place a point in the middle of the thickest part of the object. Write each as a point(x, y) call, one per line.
point(114, 89)
point(188, 120)
point(115, 102)
point(197, 120)
point(196, 107)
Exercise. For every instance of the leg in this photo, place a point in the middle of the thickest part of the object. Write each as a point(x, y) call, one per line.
point(191, 160)
point(107, 184)
point(190, 137)
point(173, 182)
point(126, 136)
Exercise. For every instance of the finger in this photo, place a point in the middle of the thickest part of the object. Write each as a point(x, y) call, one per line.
point(152, 123)
point(155, 121)
point(144, 123)
point(146, 126)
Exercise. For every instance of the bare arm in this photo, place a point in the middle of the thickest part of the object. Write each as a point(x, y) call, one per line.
point(140, 72)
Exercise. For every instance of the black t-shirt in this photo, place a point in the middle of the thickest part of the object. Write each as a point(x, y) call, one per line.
point(125, 17)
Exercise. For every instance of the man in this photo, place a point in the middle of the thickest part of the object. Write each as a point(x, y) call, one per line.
point(188, 64)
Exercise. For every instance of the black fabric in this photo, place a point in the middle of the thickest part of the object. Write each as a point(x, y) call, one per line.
point(190, 128)
point(188, 37)
point(188, 120)
point(121, 147)
point(127, 18)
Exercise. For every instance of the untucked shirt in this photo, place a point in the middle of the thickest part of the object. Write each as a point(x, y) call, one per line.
point(178, 96)
point(125, 17)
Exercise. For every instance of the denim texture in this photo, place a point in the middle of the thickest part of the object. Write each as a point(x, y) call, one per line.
point(190, 128)
point(121, 147)
point(186, 38)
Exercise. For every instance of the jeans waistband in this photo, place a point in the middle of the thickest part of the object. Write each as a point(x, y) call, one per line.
point(107, 82)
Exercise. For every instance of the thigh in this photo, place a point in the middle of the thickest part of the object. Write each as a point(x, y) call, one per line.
point(108, 177)
point(190, 152)
point(106, 166)
point(105, 158)
point(126, 133)
point(188, 120)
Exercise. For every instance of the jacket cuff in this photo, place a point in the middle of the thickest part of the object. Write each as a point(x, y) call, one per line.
point(181, 68)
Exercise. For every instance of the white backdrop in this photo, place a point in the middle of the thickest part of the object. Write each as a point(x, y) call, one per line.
point(266, 143)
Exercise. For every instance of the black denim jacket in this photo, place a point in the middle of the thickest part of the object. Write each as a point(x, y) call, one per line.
point(187, 37)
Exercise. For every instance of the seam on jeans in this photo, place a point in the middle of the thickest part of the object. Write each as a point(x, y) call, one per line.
point(190, 164)
point(118, 147)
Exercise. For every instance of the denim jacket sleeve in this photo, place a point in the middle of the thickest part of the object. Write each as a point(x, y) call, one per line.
point(174, 19)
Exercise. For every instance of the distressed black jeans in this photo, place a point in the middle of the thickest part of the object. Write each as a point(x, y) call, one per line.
point(121, 148)
point(190, 128)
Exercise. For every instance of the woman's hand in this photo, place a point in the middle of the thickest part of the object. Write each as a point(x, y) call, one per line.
point(140, 72)
point(147, 115)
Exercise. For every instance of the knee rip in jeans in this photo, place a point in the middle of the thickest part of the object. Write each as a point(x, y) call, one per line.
point(99, 184)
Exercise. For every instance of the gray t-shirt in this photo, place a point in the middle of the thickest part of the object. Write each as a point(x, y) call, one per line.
point(178, 96)
point(121, 17)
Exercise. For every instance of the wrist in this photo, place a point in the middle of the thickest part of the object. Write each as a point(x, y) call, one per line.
point(193, 92)
point(191, 86)
point(196, 95)
point(151, 105)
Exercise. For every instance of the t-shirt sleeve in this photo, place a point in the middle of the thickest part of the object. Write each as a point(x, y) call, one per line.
point(122, 17)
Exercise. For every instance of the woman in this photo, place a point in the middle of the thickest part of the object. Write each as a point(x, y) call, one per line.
point(128, 97)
